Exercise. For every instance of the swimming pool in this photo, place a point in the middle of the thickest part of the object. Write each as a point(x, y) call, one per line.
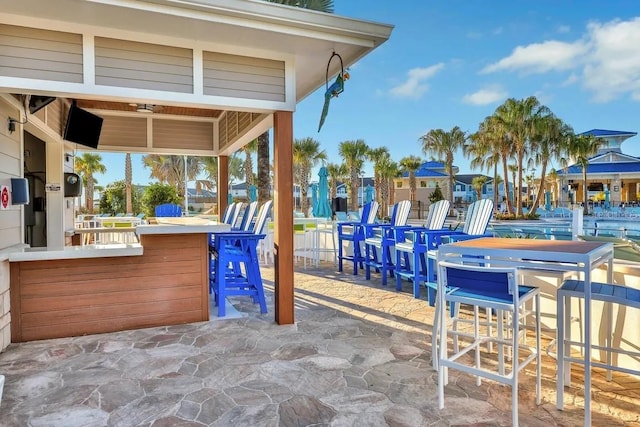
point(560, 229)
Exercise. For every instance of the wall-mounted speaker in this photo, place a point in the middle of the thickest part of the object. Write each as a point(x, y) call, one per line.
point(19, 191)
point(72, 185)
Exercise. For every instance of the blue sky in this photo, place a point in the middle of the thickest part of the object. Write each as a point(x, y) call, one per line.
point(451, 63)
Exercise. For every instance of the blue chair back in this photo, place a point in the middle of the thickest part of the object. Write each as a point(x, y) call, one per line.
point(228, 213)
point(235, 218)
point(400, 214)
point(437, 215)
point(247, 216)
point(261, 218)
point(369, 212)
point(492, 283)
point(478, 215)
point(168, 210)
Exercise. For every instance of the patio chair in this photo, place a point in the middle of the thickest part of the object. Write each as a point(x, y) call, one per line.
point(497, 289)
point(235, 269)
point(624, 297)
point(379, 239)
point(413, 243)
point(420, 246)
point(354, 232)
point(168, 210)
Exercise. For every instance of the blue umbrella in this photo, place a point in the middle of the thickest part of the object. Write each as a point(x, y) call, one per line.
point(324, 207)
point(547, 200)
point(314, 199)
point(253, 193)
point(229, 198)
point(368, 194)
point(607, 202)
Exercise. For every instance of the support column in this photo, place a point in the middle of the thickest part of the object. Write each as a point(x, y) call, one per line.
point(223, 184)
point(283, 215)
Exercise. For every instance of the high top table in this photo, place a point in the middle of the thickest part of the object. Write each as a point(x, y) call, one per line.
point(545, 255)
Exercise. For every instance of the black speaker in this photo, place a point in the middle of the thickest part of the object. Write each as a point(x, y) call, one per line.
point(72, 185)
point(339, 204)
point(19, 191)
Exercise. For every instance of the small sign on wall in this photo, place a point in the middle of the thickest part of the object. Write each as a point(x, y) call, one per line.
point(4, 197)
point(616, 188)
point(52, 188)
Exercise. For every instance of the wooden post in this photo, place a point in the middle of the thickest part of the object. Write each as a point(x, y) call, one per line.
point(283, 203)
point(223, 184)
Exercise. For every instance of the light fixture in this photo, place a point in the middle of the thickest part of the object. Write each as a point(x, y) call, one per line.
point(144, 108)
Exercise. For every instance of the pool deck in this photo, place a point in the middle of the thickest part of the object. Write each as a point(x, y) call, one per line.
point(358, 355)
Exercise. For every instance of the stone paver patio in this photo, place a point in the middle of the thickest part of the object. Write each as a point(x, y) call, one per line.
point(358, 355)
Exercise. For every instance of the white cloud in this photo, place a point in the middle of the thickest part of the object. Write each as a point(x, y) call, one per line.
point(488, 95)
point(613, 65)
point(415, 86)
point(605, 60)
point(540, 57)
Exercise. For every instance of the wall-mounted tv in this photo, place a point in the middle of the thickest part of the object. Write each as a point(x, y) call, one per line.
point(37, 102)
point(83, 127)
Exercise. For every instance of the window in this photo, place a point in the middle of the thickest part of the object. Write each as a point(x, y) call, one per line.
point(399, 184)
point(423, 184)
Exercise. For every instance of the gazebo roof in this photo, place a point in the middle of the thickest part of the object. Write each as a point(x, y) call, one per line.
point(603, 133)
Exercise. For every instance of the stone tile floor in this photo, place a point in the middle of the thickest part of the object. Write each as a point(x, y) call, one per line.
point(358, 355)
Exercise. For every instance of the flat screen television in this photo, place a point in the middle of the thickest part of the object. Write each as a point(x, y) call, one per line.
point(37, 102)
point(83, 127)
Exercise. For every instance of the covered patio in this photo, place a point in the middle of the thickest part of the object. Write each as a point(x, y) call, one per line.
point(199, 77)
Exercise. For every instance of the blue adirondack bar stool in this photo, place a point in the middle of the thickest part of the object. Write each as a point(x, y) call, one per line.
point(417, 244)
point(380, 238)
point(235, 267)
point(168, 210)
point(353, 232)
point(412, 245)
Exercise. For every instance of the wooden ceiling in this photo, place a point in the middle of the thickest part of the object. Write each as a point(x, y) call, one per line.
point(157, 109)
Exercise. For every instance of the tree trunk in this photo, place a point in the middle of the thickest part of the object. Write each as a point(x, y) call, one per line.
point(264, 178)
point(585, 209)
point(128, 183)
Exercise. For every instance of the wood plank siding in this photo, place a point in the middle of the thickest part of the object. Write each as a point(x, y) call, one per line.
point(185, 135)
point(234, 124)
point(120, 131)
point(124, 63)
point(167, 285)
point(40, 54)
point(243, 77)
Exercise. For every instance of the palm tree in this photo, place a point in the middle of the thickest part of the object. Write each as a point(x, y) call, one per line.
point(128, 182)
point(248, 150)
point(478, 182)
point(550, 143)
point(487, 149)
point(86, 165)
point(513, 169)
point(582, 148)
point(388, 170)
point(444, 145)
point(519, 119)
point(411, 164)
point(170, 169)
point(378, 156)
point(264, 176)
point(306, 155)
point(553, 180)
point(336, 172)
point(353, 153)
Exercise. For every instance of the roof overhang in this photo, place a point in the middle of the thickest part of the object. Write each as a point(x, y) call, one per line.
point(248, 25)
point(302, 39)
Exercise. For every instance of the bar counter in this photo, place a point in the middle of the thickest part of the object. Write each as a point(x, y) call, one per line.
point(79, 290)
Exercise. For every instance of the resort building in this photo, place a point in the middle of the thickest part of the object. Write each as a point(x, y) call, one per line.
point(612, 176)
point(433, 172)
